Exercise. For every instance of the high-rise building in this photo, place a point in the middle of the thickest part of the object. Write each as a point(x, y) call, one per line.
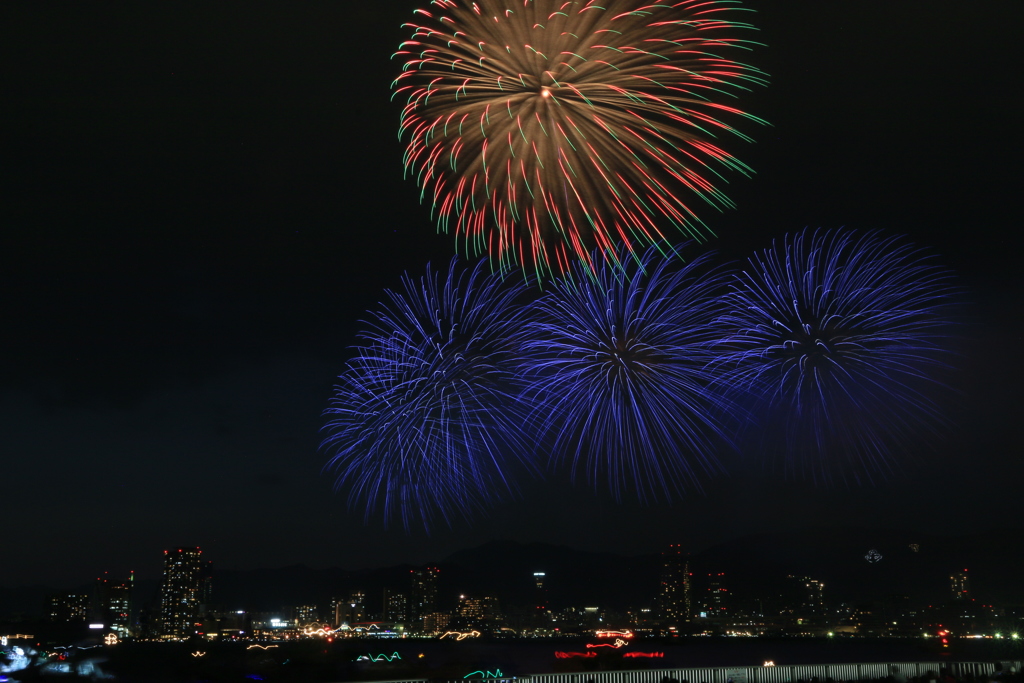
point(815, 600)
point(807, 596)
point(68, 607)
point(185, 584)
point(540, 599)
point(396, 606)
point(306, 615)
point(352, 610)
point(676, 596)
point(475, 610)
point(423, 594)
point(435, 622)
point(960, 585)
point(716, 600)
point(333, 612)
point(206, 585)
point(113, 604)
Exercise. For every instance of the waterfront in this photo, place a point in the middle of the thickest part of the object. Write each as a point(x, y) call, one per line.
point(320, 661)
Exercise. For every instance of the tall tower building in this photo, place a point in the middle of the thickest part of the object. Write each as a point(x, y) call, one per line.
point(716, 601)
point(676, 596)
point(396, 606)
point(960, 585)
point(815, 600)
point(186, 580)
point(206, 585)
point(423, 594)
point(114, 604)
point(807, 596)
point(540, 596)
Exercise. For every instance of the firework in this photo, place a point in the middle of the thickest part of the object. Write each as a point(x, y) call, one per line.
point(837, 338)
point(543, 129)
point(616, 361)
point(424, 420)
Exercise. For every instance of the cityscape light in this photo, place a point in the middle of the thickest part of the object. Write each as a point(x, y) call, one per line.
point(322, 631)
point(461, 635)
point(801, 613)
point(613, 634)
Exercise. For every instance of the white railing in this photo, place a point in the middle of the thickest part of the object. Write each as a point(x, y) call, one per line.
point(762, 674)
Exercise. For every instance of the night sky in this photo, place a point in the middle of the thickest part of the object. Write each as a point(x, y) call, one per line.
point(199, 201)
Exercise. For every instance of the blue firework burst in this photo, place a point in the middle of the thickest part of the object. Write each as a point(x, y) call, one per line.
point(616, 365)
point(839, 339)
point(424, 421)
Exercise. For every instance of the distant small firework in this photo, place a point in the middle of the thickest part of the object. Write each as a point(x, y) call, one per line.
point(873, 556)
point(915, 547)
point(617, 361)
point(425, 419)
point(543, 129)
point(839, 340)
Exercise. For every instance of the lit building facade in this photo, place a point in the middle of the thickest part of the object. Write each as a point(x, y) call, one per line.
point(435, 622)
point(477, 610)
point(306, 614)
point(540, 600)
point(815, 600)
point(423, 593)
point(960, 585)
point(113, 606)
point(352, 610)
point(68, 607)
point(716, 600)
point(396, 606)
point(185, 585)
point(675, 597)
point(808, 598)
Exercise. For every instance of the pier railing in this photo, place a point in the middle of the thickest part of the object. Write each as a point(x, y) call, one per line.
point(786, 674)
point(767, 674)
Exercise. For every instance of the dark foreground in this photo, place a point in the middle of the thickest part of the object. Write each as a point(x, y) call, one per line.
point(313, 661)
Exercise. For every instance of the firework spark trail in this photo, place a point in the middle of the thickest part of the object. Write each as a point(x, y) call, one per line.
point(838, 339)
point(424, 420)
point(541, 130)
point(616, 364)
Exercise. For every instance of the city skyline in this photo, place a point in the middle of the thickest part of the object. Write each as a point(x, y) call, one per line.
point(198, 212)
point(683, 594)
